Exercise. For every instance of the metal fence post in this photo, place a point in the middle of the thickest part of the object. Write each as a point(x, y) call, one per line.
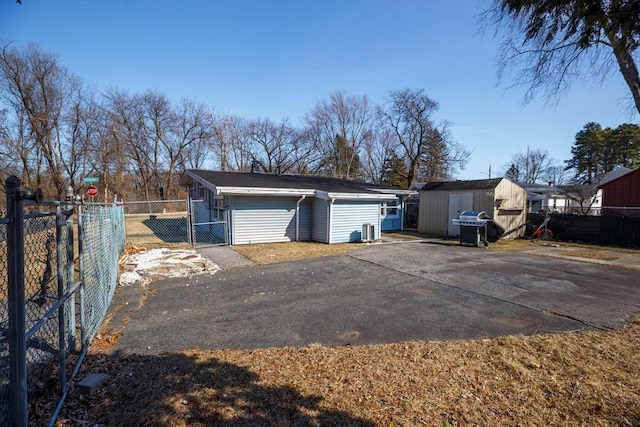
point(71, 309)
point(62, 351)
point(81, 237)
point(17, 336)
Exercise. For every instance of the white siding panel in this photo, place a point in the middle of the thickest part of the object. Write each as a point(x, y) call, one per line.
point(347, 219)
point(264, 219)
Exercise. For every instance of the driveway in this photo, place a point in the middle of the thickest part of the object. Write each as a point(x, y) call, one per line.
point(378, 294)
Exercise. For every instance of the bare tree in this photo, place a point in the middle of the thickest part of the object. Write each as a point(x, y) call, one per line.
point(184, 127)
point(338, 129)
point(127, 132)
point(582, 194)
point(555, 174)
point(427, 149)
point(199, 123)
point(531, 166)
point(38, 91)
point(274, 146)
point(238, 143)
point(377, 154)
point(81, 129)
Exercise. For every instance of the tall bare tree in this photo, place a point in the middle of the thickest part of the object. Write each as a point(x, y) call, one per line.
point(378, 154)
point(554, 41)
point(531, 166)
point(427, 149)
point(37, 91)
point(187, 126)
point(199, 124)
point(127, 132)
point(338, 129)
point(277, 147)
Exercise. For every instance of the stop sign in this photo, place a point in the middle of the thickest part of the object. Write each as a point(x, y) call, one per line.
point(92, 191)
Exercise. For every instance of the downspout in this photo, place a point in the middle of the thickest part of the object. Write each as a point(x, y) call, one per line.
point(298, 217)
point(379, 223)
point(402, 211)
point(330, 204)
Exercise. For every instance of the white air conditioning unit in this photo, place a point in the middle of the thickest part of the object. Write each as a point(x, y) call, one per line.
point(368, 233)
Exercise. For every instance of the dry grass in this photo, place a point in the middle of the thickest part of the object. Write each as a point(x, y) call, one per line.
point(579, 379)
point(590, 254)
point(165, 231)
point(524, 244)
point(268, 253)
point(571, 379)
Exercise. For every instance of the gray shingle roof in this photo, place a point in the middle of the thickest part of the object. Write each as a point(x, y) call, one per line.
point(478, 184)
point(304, 182)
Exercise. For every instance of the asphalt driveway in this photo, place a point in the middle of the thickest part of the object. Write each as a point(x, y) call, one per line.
point(378, 294)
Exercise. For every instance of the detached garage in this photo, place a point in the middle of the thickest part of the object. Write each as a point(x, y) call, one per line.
point(504, 201)
point(263, 208)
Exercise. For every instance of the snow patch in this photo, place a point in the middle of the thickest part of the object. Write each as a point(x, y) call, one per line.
point(156, 264)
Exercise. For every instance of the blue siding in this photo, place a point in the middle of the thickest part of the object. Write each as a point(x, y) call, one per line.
point(305, 220)
point(393, 222)
point(347, 218)
point(319, 220)
point(267, 219)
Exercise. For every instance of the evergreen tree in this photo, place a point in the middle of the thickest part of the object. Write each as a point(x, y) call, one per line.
point(513, 173)
point(597, 151)
point(393, 172)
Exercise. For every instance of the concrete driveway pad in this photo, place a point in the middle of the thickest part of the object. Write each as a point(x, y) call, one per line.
point(379, 294)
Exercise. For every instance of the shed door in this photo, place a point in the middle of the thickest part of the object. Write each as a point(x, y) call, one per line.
point(458, 202)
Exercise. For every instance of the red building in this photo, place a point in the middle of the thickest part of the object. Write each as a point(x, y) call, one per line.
point(623, 191)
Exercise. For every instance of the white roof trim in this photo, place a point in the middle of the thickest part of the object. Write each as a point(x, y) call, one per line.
point(354, 196)
point(260, 191)
point(396, 191)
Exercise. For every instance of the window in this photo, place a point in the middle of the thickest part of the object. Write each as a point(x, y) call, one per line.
point(389, 208)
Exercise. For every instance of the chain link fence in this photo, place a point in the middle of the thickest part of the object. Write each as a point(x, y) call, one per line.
point(59, 265)
point(103, 240)
point(4, 322)
point(161, 223)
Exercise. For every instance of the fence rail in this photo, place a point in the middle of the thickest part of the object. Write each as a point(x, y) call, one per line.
point(612, 226)
point(61, 264)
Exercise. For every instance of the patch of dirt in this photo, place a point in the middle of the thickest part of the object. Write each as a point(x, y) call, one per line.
point(584, 378)
point(268, 253)
point(590, 254)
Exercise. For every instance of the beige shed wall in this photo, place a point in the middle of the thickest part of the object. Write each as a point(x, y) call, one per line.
point(512, 212)
point(432, 213)
point(434, 208)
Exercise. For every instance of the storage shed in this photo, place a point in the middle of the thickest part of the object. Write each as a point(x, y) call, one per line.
point(503, 200)
point(263, 208)
point(623, 191)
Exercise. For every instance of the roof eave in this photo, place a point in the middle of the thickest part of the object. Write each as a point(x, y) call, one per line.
point(325, 195)
point(263, 191)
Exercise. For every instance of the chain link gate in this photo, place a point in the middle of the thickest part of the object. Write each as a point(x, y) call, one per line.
point(61, 260)
point(207, 226)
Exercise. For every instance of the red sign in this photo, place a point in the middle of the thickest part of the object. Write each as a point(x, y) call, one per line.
point(92, 191)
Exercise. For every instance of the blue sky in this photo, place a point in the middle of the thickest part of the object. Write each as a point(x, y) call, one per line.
point(276, 59)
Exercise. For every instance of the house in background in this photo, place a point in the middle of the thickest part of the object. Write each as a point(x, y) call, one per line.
point(582, 199)
point(503, 200)
point(264, 208)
